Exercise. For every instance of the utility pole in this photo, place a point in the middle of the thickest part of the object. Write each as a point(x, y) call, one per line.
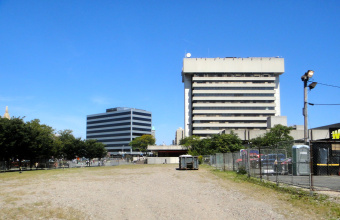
point(305, 77)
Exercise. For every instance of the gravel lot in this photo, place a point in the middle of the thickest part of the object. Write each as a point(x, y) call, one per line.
point(137, 192)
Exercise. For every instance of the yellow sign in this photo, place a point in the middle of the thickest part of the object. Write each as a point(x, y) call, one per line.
point(335, 134)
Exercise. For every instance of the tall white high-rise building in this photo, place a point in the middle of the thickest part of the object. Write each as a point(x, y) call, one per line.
point(230, 93)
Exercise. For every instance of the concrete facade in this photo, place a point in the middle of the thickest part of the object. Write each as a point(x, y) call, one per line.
point(163, 160)
point(179, 136)
point(297, 132)
point(117, 127)
point(168, 150)
point(230, 94)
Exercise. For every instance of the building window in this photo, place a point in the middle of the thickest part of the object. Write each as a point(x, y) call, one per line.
point(336, 150)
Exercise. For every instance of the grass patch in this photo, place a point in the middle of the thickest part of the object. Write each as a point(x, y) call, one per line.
point(41, 211)
point(316, 204)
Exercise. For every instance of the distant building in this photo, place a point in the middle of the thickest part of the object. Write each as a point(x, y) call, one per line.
point(328, 132)
point(168, 150)
point(179, 136)
point(117, 127)
point(6, 115)
point(153, 132)
point(230, 93)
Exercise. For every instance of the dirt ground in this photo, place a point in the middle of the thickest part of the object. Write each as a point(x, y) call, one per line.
point(137, 192)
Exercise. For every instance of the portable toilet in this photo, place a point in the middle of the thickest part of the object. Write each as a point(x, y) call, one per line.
point(188, 162)
point(301, 158)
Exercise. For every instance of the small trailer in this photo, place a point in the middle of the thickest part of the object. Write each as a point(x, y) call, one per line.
point(188, 162)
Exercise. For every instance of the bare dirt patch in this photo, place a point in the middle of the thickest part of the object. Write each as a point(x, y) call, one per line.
point(135, 192)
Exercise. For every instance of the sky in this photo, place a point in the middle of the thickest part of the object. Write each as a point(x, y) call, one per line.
point(63, 60)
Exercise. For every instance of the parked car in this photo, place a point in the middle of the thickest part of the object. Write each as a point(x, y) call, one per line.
point(253, 158)
point(269, 159)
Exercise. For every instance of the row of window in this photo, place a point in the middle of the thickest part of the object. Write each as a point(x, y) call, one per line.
point(108, 135)
point(119, 129)
point(109, 125)
point(118, 124)
point(230, 122)
point(113, 140)
point(233, 88)
point(233, 108)
point(234, 101)
point(114, 135)
point(108, 115)
point(118, 145)
point(110, 130)
point(233, 75)
point(141, 113)
point(118, 119)
point(141, 119)
point(234, 82)
point(232, 115)
point(108, 120)
point(234, 95)
point(140, 124)
point(224, 128)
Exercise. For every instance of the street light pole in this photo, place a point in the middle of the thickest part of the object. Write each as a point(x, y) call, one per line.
point(305, 112)
point(305, 79)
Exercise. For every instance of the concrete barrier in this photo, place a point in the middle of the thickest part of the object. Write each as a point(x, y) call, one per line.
point(162, 160)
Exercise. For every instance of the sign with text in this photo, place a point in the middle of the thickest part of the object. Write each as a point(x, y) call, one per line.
point(334, 133)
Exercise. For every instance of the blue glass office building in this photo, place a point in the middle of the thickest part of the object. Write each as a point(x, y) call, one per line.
point(117, 127)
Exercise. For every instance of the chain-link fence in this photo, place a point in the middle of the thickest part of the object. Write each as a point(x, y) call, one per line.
point(315, 167)
point(6, 166)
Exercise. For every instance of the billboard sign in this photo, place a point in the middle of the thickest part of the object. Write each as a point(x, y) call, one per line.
point(334, 133)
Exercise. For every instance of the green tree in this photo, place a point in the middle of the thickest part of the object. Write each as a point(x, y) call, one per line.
point(15, 139)
point(94, 149)
point(276, 135)
point(188, 142)
point(200, 147)
point(225, 143)
point(218, 143)
point(42, 140)
point(69, 145)
point(6, 143)
point(141, 143)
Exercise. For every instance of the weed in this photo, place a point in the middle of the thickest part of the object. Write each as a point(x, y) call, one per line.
point(317, 203)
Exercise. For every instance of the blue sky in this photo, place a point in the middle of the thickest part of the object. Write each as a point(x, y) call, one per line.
point(63, 60)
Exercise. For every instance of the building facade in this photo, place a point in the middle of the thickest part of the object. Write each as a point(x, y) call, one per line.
point(230, 93)
point(179, 136)
point(117, 127)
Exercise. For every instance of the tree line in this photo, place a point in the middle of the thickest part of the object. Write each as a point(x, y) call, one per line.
point(225, 143)
point(34, 141)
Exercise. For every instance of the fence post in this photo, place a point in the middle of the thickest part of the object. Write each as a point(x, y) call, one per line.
point(248, 161)
point(277, 164)
point(233, 159)
point(260, 165)
point(223, 161)
point(310, 169)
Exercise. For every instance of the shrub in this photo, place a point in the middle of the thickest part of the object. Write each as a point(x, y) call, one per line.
point(200, 159)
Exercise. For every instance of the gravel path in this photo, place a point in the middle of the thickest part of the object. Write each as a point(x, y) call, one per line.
point(143, 192)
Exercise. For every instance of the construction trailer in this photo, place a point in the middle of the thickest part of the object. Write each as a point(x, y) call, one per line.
point(188, 162)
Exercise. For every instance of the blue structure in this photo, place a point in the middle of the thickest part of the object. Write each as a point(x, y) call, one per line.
point(118, 127)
